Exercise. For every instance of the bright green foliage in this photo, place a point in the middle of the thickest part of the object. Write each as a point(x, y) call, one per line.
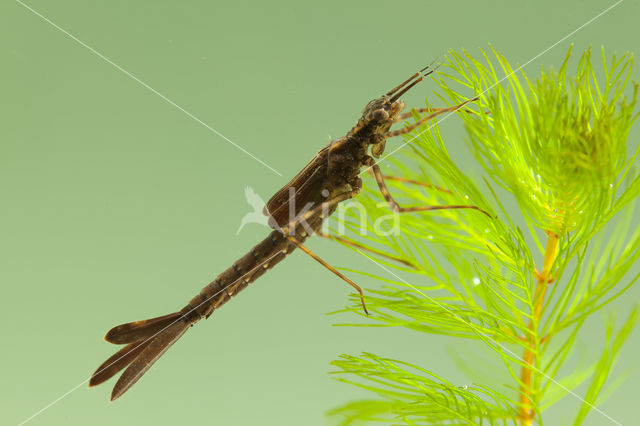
point(418, 395)
point(557, 145)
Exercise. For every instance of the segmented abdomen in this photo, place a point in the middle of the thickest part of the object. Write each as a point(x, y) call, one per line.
point(262, 257)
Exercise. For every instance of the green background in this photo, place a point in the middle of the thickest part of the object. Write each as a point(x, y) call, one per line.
point(116, 206)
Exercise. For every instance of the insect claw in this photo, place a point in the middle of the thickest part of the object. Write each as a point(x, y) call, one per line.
point(364, 305)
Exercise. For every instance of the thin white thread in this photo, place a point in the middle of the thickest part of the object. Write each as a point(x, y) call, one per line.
point(257, 159)
point(127, 73)
point(404, 144)
point(146, 340)
point(488, 337)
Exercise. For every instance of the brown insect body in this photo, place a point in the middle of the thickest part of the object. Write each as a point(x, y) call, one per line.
point(296, 211)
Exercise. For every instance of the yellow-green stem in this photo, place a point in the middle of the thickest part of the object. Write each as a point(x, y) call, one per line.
point(527, 413)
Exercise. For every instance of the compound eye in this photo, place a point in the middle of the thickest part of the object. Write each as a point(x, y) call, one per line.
point(368, 107)
point(380, 115)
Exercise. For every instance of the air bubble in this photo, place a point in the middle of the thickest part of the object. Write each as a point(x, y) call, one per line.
point(476, 280)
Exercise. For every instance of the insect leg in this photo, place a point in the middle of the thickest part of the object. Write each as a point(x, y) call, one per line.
point(411, 181)
point(438, 112)
point(331, 268)
point(408, 115)
point(364, 248)
point(396, 207)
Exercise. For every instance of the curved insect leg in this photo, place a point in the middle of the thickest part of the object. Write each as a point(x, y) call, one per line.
point(409, 114)
point(370, 162)
point(425, 119)
point(320, 210)
point(331, 268)
point(365, 248)
point(411, 181)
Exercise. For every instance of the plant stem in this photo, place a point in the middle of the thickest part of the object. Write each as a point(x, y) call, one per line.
point(527, 412)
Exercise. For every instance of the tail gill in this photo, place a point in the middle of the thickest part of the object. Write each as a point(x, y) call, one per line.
point(145, 341)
